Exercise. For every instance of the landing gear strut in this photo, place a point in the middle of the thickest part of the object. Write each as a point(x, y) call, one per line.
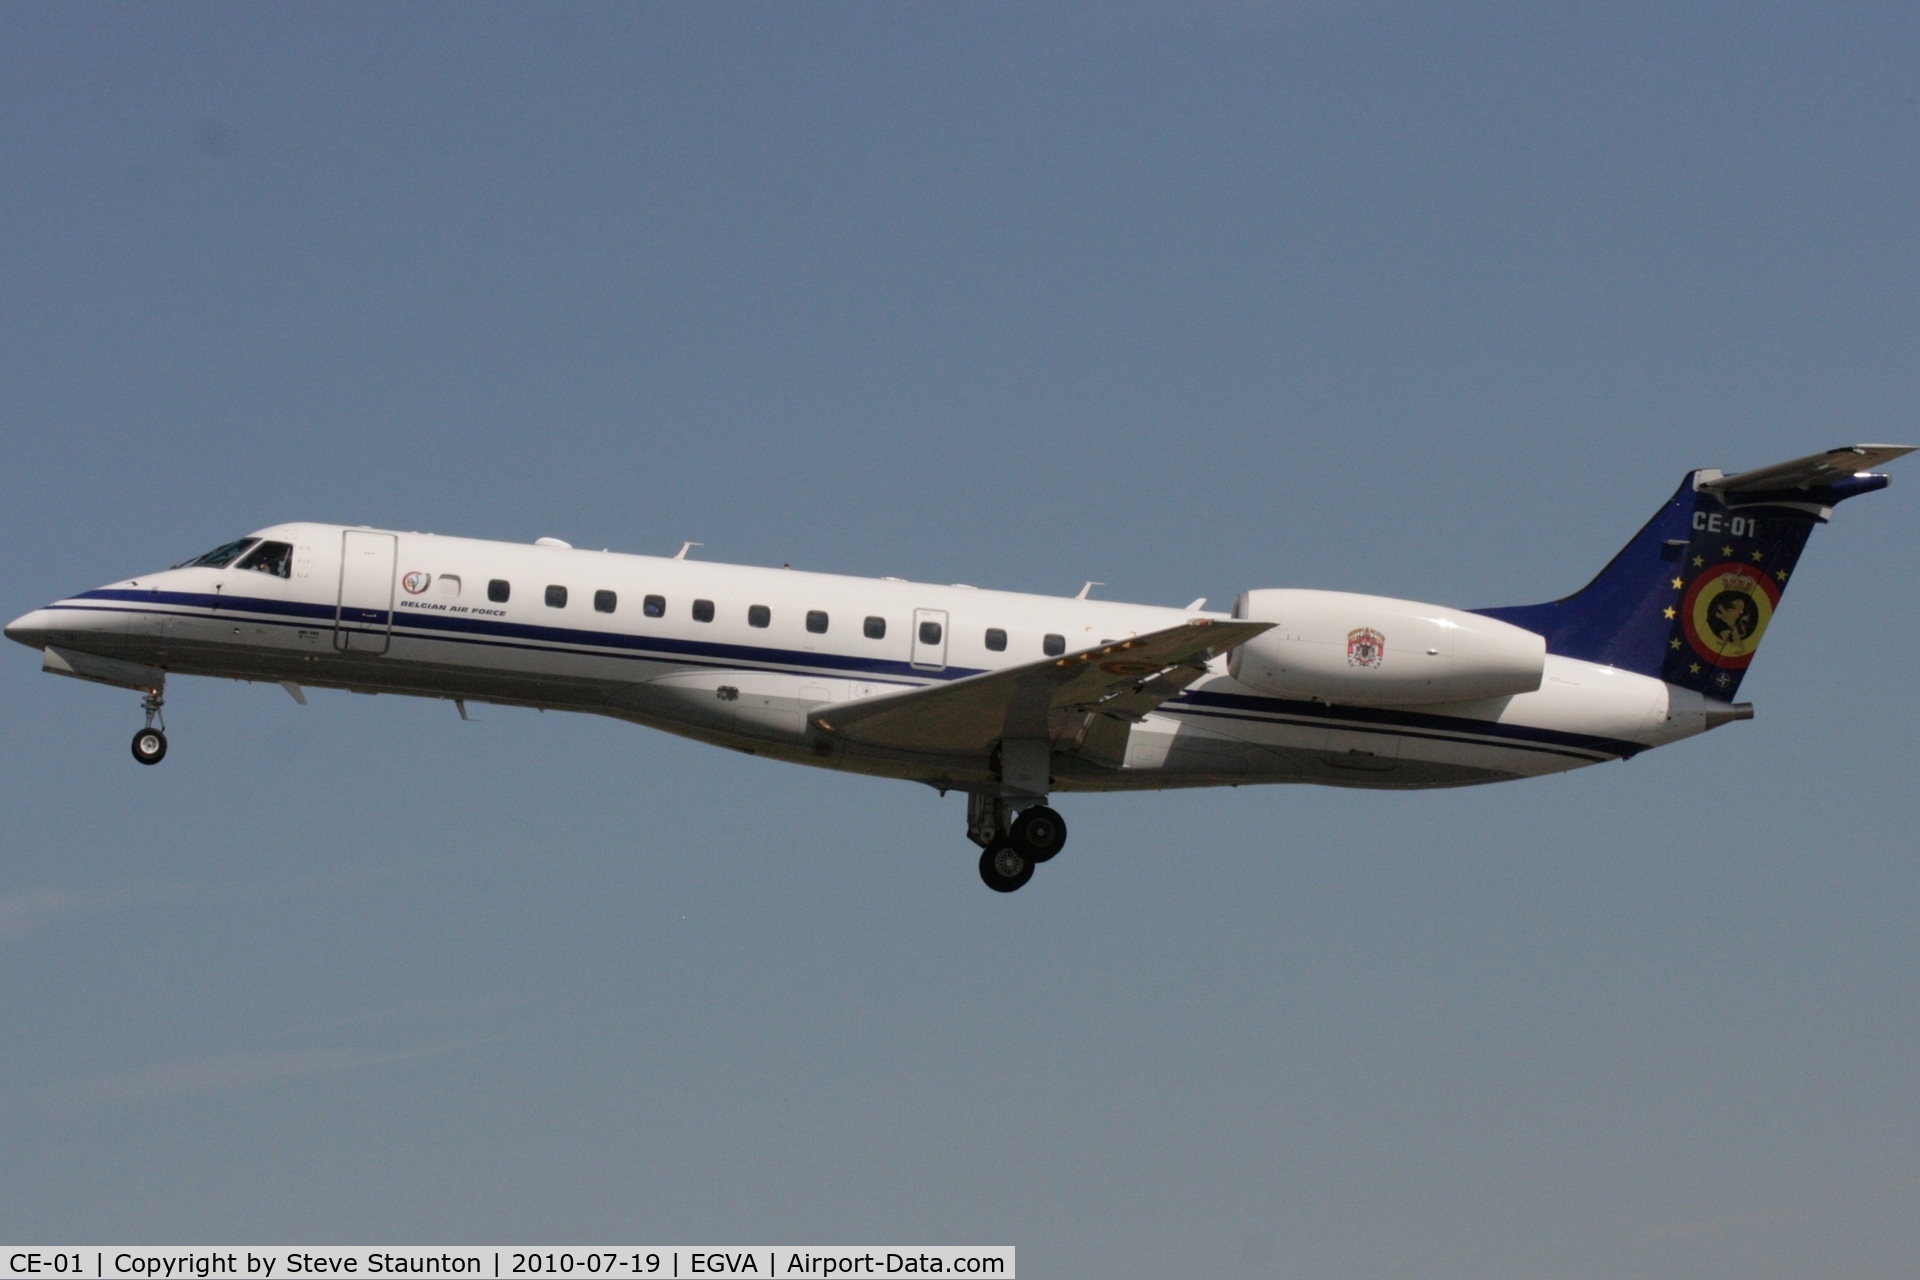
point(150, 744)
point(1011, 847)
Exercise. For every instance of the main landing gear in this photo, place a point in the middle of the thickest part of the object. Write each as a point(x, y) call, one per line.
point(1011, 847)
point(150, 744)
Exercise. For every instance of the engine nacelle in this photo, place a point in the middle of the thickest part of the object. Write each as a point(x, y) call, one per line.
point(1335, 646)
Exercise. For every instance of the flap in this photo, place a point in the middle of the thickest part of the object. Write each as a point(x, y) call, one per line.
point(1125, 679)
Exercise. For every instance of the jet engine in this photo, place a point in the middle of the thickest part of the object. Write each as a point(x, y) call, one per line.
point(1334, 646)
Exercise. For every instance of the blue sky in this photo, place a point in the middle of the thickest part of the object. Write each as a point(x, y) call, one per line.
point(1186, 300)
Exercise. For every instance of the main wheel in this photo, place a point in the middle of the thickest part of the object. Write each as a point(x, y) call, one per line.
point(1039, 833)
point(149, 746)
point(1004, 868)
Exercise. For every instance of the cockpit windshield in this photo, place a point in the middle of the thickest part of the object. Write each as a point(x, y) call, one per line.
point(275, 558)
point(220, 557)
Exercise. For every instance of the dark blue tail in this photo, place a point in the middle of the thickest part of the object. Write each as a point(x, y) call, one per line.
point(1689, 599)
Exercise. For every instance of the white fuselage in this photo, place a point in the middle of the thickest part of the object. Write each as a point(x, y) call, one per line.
point(383, 612)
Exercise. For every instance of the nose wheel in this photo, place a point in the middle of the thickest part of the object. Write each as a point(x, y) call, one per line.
point(1012, 846)
point(150, 744)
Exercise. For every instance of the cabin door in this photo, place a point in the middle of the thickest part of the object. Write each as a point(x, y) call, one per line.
point(363, 618)
point(930, 639)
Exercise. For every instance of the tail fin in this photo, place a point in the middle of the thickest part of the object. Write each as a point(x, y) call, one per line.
point(1689, 599)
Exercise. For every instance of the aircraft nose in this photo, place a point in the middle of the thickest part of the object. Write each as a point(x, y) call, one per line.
point(31, 629)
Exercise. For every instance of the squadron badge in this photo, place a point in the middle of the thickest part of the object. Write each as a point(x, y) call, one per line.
point(416, 582)
point(1365, 647)
point(1726, 611)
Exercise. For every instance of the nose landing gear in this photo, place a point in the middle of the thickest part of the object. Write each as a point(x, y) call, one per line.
point(1011, 847)
point(150, 744)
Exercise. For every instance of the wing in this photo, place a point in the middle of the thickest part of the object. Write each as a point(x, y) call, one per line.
point(1815, 469)
point(1123, 680)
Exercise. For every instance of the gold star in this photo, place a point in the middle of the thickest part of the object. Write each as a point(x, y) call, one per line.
point(1726, 551)
point(1757, 557)
point(1780, 574)
point(1674, 643)
point(1667, 612)
point(1695, 668)
point(1676, 584)
point(1698, 563)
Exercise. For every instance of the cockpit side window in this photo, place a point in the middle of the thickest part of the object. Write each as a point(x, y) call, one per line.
point(275, 558)
point(220, 557)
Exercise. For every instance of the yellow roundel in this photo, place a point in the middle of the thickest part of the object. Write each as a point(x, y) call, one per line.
point(1726, 613)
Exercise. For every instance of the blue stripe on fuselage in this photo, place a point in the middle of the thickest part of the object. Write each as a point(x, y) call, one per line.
point(1397, 720)
point(576, 640)
point(547, 639)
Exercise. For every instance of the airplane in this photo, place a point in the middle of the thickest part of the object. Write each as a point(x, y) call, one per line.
point(1005, 697)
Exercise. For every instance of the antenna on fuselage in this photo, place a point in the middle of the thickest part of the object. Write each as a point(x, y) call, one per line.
point(685, 547)
point(1089, 587)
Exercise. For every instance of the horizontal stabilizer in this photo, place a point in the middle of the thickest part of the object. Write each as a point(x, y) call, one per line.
point(1810, 471)
point(1124, 679)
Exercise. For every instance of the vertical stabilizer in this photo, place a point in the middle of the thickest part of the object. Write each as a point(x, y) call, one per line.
point(1691, 597)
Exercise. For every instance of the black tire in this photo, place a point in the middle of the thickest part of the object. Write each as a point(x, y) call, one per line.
point(1004, 868)
point(1039, 833)
point(149, 746)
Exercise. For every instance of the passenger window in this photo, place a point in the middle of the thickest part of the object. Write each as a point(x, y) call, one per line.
point(1054, 646)
point(703, 611)
point(498, 590)
point(448, 585)
point(817, 622)
point(996, 639)
point(929, 633)
point(604, 601)
point(275, 558)
point(654, 606)
point(556, 597)
point(759, 615)
point(220, 557)
point(876, 628)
